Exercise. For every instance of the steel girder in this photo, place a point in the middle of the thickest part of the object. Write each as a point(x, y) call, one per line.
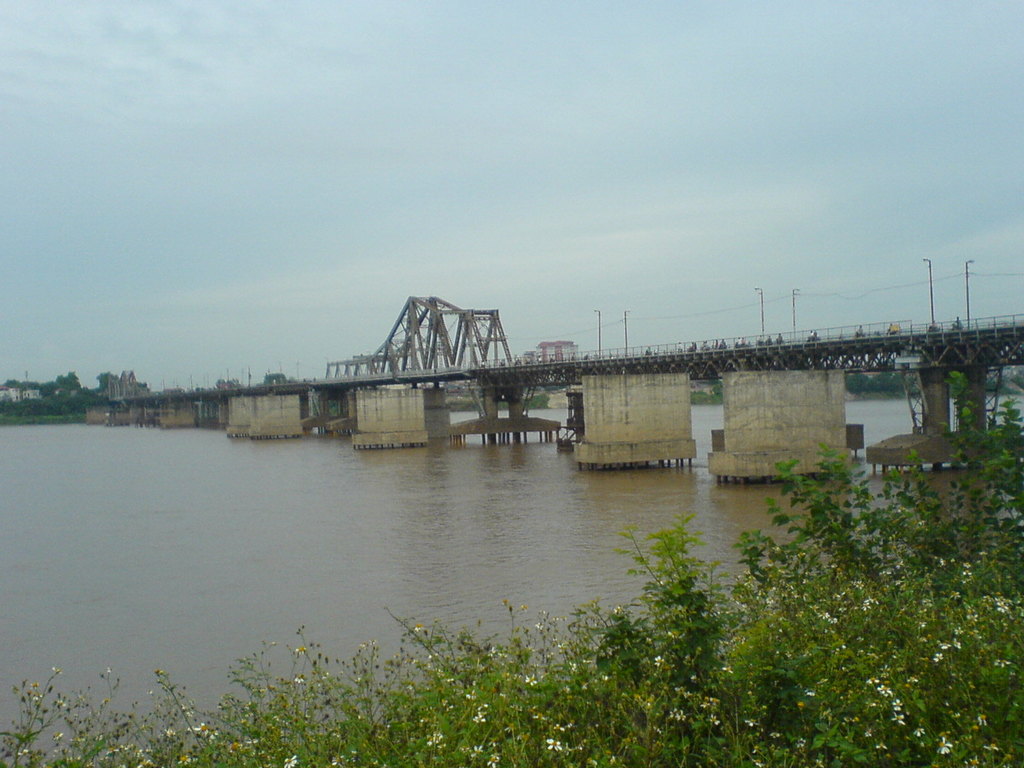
point(990, 348)
point(432, 334)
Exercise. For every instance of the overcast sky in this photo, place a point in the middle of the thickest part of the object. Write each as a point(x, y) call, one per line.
point(197, 189)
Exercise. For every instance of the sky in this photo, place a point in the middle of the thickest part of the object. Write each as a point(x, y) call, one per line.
point(203, 190)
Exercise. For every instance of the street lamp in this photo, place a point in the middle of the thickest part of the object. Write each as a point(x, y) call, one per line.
point(967, 288)
point(761, 294)
point(598, 330)
point(625, 328)
point(795, 292)
point(931, 290)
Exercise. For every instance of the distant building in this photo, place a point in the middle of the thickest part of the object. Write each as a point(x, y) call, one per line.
point(553, 351)
point(14, 394)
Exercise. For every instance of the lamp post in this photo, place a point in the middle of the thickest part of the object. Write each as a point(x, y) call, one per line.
point(931, 291)
point(625, 327)
point(761, 294)
point(967, 288)
point(795, 292)
point(598, 330)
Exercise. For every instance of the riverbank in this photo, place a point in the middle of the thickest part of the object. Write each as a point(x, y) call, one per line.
point(8, 420)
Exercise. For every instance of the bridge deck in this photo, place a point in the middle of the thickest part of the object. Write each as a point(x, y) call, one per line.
point(992, 343)
point(989, 342)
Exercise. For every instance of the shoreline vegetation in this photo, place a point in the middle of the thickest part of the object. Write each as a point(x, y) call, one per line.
point(61, 401)
point(867, 628)
point(7, 420)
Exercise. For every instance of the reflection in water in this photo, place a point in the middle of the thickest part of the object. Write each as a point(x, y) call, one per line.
point(137, 549)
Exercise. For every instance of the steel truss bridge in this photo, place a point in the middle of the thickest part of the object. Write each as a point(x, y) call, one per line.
point(431, 334)
point(991, 343)
point(434, 341)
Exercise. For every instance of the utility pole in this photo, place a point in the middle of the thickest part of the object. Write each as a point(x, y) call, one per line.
point(967, 288)
point(761, 294)
point(625, 327)
point(795, 292)
point(598, 330)
point(931, 291)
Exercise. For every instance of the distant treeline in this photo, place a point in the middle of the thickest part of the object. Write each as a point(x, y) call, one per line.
point(874, 384)
point(61, 401)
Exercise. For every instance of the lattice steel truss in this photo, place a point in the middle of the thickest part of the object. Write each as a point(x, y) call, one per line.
point(432, 334)
point(993, 346)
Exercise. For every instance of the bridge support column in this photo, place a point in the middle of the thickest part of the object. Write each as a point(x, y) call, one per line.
point(340, 414)
point(773, 416)
point(436, 417)
point(935, 401)
point(265, 417)
point(494, 430)
point(240, 415)
point(634, 420)
point(929, 444)
point(489, 399)
point(390, 418)
point(209, 414)
point(316, 410)
point(144, 416)
point(177, 414)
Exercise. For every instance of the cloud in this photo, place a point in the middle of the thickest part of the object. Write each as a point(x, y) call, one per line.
point(252, 181)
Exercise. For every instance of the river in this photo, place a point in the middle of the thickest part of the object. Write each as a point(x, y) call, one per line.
point(138, 549)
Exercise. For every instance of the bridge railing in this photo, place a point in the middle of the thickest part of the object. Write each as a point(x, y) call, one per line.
point(904, 329)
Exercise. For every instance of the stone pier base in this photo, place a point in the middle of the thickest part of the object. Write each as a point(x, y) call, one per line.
point(636, 420)
point(910, 450)
point(393, 418)
point(775, 416)
point(265, 417)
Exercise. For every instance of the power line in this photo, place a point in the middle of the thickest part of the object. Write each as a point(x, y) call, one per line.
point(785, 297)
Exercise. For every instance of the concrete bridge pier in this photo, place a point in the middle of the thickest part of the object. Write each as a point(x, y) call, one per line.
point(265, 417)
point(633, 420)
point(399, 418)
point(931, 409)
point(934, 401)
point(773, 416)
point(494, 430)
point(177, 414)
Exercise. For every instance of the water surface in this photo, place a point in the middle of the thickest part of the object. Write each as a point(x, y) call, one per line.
point(138, 549)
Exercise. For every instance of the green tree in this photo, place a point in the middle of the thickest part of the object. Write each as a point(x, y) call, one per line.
point(104, 381)
point(69, 382)
point(886, 384)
